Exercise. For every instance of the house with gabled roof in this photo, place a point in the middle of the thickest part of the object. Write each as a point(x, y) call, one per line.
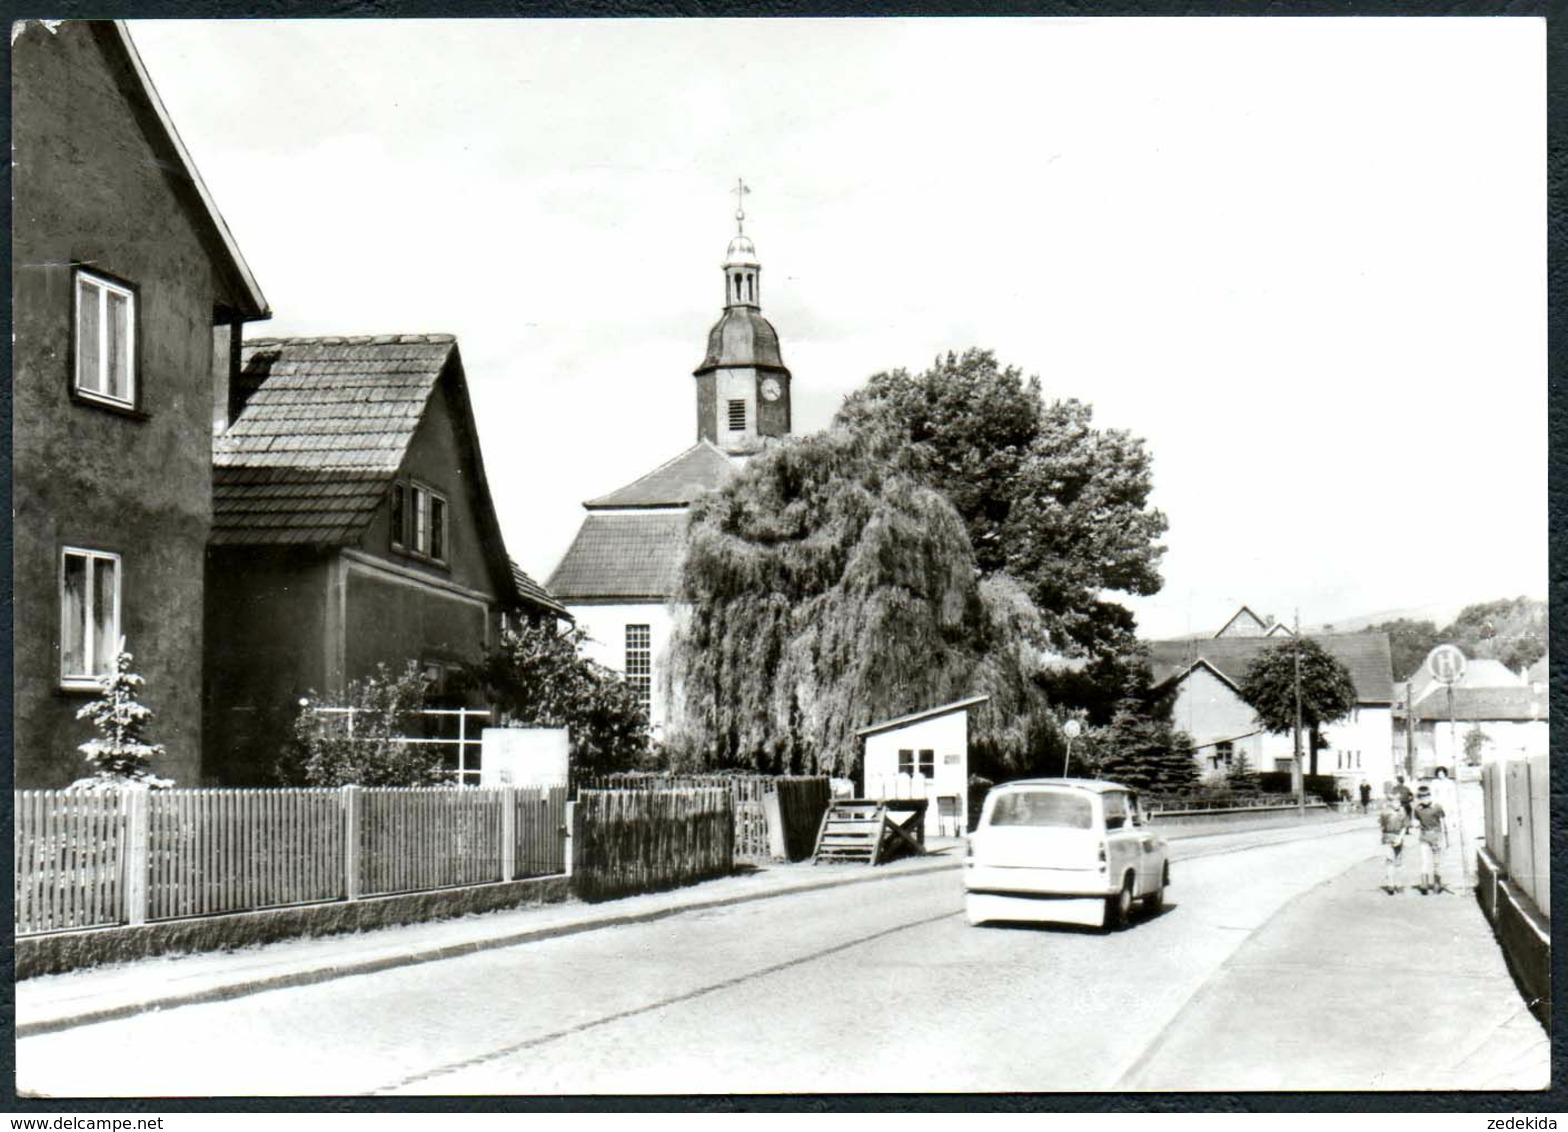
point(1204, 678)
point(352, 526)
point(620, 577)
point(128, 295)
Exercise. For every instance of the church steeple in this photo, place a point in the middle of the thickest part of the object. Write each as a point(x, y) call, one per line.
point(743, 394)
point(742, 272)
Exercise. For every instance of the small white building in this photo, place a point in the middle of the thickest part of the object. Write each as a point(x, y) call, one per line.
point(923, 755)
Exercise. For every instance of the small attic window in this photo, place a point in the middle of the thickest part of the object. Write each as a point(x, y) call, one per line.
point(737, 416)
point(419, 521)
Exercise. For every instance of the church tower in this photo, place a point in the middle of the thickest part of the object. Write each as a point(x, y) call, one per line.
point(742, 383)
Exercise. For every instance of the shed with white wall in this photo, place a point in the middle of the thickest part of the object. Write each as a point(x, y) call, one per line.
point(923, 755)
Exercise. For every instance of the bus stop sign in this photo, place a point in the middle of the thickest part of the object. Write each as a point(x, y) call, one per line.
point(1446, 664)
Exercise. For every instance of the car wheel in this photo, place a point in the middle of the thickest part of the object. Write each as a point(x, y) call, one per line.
point(1118, 908)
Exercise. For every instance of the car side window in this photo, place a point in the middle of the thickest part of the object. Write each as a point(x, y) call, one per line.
point(1115, 811)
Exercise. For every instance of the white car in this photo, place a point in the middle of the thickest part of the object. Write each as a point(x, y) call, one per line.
point(1064, 850)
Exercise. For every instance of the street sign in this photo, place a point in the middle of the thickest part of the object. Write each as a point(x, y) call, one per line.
point(1446, 664)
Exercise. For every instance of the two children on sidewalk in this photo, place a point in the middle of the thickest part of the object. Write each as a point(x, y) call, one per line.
point(1394, 823)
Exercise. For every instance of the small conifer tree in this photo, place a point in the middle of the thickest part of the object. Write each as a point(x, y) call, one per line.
point(120, 755)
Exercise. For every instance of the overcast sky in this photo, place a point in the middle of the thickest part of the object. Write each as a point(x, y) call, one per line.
point(1303, 258)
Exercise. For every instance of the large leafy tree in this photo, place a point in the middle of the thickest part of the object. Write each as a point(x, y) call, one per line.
point(827, 589)
point(538, 677)
point(1060, 505)
point(1328, 693)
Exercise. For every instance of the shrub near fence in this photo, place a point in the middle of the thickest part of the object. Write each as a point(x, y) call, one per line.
point(630, 841)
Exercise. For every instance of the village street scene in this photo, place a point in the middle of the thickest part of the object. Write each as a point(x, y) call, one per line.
point(780, 558)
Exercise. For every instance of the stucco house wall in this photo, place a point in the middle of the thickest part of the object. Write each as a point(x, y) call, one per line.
point(96, 185)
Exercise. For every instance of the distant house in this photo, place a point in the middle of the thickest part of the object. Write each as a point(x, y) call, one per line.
point(1509, 709)
point(128, 293)
point(1205, 677)
point(620, 577)
point(352, 526)
point(1245, 623)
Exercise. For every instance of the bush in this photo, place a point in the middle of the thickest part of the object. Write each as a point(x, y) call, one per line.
point(1321, 786)
point(324, 752)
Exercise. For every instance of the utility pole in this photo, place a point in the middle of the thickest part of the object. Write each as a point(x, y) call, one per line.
point(1301, 777)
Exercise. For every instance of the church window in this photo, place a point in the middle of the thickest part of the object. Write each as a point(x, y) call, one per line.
point(748, 289)
point(737, 416)
point(639, 664)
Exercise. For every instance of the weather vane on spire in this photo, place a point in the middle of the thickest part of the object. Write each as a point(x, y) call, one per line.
point(740, 190)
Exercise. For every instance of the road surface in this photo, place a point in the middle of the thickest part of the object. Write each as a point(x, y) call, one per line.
point(868, 988)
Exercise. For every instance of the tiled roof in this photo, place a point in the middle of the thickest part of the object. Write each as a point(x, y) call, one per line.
point(1517, 704)
point(321, 436)
point(627, 555)
point(1366, 655)
point(532, 591)
point(1480, 672)
point(702, 467)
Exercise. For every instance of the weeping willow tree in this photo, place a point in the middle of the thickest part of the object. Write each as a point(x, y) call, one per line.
point(825, 591)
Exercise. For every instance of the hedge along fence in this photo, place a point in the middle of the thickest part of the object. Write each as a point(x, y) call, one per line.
point(87, 859)
point(754, 838)
point(631, 841)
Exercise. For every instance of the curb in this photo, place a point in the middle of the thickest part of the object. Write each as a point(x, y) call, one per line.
point(448, 951)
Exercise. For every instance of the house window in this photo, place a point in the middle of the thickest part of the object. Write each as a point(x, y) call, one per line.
point(419, 521)
point(912, 763)
point(1224, 752)
point(639, 664)
point(737, 416)
point(89, 615)
point(105, 342)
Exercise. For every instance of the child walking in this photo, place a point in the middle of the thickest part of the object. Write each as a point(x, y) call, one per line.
point(1391, 823)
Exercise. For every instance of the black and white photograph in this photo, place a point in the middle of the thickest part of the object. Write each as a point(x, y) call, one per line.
point(681, 558)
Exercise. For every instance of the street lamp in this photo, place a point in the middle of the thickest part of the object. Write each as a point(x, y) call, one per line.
point(1072, 728)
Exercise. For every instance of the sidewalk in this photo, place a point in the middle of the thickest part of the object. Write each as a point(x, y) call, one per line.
point(1349, 988)
point(56, 1002)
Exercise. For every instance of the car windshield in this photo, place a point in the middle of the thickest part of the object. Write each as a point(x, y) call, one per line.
point(1055, 809)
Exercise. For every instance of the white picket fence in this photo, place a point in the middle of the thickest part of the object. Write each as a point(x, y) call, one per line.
point(85, 859)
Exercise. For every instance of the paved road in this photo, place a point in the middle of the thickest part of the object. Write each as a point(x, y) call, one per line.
point(868, 988)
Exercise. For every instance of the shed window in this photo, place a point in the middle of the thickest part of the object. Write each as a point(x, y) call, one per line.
point(105, 340)
point(913, 762)
point(737, 416)
point(89, 615)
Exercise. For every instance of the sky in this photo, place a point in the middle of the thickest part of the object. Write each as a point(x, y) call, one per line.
point(1303, 259)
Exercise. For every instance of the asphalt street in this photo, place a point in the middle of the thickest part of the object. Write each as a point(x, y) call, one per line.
point(867, 988)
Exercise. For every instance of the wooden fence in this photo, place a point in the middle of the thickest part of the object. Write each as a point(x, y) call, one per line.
point(87, 859)
point(68, 863)
point(801, 804)
point(1517, 802)
point(748, 793)
point(629, 841)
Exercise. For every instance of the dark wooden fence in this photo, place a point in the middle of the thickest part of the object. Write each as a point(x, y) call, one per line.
point(801, 804)
point(748, 798)
point(631, 841)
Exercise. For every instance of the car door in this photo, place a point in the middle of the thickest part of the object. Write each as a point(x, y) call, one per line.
point(1121, 839)
point(1151, 848)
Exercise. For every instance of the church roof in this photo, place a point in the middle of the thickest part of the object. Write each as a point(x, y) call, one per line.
point(627, 555)
point(675, 483)
point(1366, 655)
point(742, 338)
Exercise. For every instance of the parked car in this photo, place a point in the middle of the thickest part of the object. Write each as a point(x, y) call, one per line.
point(1064, 850)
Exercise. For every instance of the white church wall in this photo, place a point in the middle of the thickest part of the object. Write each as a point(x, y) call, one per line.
point(606, 644)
